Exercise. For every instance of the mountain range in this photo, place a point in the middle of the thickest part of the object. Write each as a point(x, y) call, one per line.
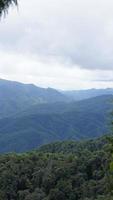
point(15, 96)
point(31, 116)
point(77, 95)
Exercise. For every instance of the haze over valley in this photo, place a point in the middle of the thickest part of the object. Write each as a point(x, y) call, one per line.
point(31, 116)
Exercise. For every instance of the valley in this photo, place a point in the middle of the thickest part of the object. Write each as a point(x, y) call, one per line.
point(27, 124)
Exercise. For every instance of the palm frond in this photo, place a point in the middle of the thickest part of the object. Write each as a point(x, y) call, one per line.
point(4, 5)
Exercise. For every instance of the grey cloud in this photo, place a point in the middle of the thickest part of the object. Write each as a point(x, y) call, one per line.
point(102, 80)
point(74, 32)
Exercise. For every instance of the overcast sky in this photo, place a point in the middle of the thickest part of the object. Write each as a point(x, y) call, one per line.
point(65, 44)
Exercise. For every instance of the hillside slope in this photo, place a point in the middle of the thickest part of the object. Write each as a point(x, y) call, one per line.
point(80, 120)
point(78, 95)
point(15, 97)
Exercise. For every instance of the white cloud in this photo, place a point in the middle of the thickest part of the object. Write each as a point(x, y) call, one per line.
point(62, 44)
point(28, 70)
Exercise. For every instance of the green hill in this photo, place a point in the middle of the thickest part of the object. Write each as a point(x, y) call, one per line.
point(55, 122)
point(15, 97)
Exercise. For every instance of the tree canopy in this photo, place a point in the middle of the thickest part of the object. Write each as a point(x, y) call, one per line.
point(4, 5)
point(59, 171)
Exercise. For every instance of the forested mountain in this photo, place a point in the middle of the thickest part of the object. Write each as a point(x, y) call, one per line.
point(59, 171)
point(77, 95)
point(55, 122)
point(16, 96)
point(72, 168)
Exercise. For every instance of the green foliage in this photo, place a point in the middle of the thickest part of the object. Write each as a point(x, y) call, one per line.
point(76, 174)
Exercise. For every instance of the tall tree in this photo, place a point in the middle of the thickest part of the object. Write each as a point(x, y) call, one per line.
point(4, 5)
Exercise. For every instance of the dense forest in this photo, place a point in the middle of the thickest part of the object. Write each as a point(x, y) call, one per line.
point(59, 171)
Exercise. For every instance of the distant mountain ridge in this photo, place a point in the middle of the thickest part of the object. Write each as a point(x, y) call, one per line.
point(62, 121)
point(31, 116)
point(15, 96)
point(77, 95)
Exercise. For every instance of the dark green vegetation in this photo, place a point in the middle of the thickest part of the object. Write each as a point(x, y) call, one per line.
point(60, 171)
point(4, 5)
point(32, 116)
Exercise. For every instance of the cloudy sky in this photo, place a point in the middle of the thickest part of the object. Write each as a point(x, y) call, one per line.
point(65, 44)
